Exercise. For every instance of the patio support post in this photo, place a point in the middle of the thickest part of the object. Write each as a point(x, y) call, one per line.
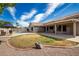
point(74, 29)
point(55, 28)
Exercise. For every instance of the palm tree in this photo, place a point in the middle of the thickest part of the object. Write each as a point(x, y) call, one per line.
point(3, 5)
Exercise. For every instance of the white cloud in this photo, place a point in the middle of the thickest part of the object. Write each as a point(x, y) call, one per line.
point(12, 11)
point(38, 17)
point(26, 16)
point(51, 8)
point(23, 17)
point(23, 23)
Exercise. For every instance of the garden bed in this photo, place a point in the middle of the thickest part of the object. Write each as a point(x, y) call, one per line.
point(28, 40)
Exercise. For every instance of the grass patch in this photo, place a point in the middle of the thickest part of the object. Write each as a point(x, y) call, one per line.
point(24, 41)
point(51, 37)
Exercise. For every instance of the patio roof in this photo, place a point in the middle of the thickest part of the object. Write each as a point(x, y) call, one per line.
point(70, 18)
point(36, 24)
point(73, 18)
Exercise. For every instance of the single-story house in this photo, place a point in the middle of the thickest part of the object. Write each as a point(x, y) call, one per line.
point(36, 27)
point(68, 25)
point(19, 29)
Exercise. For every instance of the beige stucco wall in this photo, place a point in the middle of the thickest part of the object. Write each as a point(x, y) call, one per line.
point(77, 28)
point(70, 28)
point(38, 29)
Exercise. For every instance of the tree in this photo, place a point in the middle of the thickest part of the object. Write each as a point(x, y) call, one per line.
point(3, 5)
point(3, 23)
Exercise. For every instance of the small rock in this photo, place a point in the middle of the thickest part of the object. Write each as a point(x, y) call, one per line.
point(38, 45)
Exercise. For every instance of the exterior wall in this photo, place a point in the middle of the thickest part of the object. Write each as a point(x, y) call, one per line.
point(35, 29)
point(41, 29)
point(50, 30)
point(38, 29)
point(77, 28)
point(20, 30)
point(70, 29)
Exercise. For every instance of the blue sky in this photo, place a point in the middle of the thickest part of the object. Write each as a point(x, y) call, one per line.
point(24, 13)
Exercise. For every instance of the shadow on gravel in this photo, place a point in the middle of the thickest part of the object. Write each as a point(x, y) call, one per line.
point(1, 42)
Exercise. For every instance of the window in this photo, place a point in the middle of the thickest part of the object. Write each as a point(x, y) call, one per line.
point(51, 27)
point(32, 28)
point(59, 28)
point(64, 28)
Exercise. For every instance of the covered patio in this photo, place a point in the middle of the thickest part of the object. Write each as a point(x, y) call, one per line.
point(67, 27)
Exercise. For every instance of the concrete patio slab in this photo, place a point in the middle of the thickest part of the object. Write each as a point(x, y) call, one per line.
point(62, 36)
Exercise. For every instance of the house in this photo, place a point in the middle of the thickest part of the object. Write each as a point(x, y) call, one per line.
point(19, 29)
point(68, 25)
point(36, 27)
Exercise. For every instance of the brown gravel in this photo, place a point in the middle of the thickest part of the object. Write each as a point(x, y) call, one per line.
point(8, 51)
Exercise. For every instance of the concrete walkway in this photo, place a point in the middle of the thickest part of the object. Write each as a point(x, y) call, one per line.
point(62, 36)
point(6, 50)
point(17, 34)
